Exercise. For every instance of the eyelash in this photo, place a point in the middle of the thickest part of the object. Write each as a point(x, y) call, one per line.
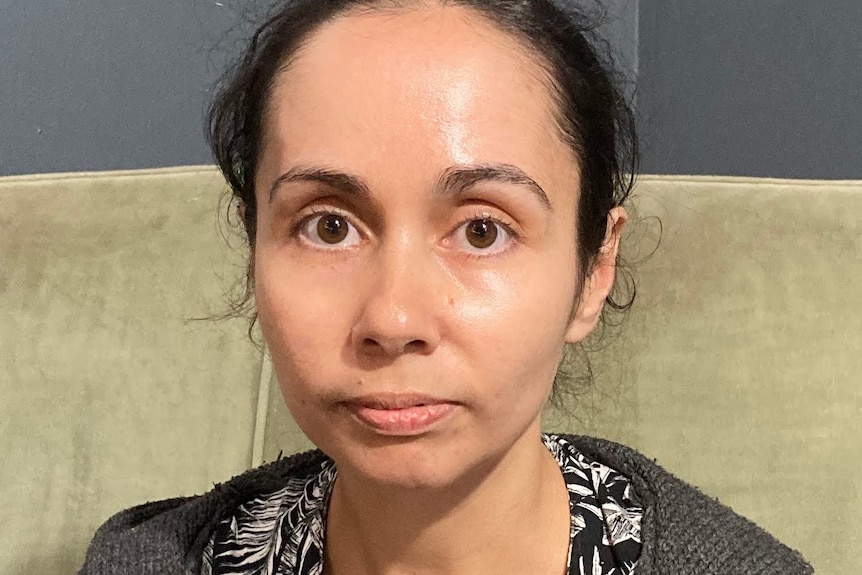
point(502, 222)
point(318, 211)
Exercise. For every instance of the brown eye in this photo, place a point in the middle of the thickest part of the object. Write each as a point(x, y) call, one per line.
point(332, 228)
point(481, 233)
point(329, 230)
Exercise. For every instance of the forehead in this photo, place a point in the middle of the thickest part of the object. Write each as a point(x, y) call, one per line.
point(424, 88)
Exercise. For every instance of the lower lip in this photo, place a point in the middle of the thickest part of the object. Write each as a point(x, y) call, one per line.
point(406, 421)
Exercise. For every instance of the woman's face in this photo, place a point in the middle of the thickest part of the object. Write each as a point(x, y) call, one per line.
point(415, 262)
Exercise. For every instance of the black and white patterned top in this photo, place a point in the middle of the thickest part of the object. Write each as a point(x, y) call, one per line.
point(282, 533)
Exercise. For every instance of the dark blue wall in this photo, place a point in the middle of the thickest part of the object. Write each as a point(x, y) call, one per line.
point(114, 84)
point(751, 87)
point(105, 84)
point(765, 87)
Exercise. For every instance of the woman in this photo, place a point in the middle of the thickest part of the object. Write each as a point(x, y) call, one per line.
point(433, 194)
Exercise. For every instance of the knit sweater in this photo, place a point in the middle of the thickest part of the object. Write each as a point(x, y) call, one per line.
point(683, 531)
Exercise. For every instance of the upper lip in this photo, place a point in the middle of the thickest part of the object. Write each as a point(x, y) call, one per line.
point(395, 400)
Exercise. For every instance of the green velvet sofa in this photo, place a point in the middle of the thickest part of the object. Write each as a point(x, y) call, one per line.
point(738, 369)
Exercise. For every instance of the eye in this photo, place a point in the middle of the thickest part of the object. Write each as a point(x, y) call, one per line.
point(483, 235)
point(329, 230)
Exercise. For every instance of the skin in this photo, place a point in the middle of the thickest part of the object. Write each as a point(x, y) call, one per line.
point(407, 304)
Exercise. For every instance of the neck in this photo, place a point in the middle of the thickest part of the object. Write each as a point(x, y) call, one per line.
point(510, 515)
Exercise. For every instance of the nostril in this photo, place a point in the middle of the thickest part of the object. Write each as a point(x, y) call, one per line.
point(371, 343)
point(393, 347)
point(417, 345)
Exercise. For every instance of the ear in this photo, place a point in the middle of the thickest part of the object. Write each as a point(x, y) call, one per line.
point(599, 281)
point(240, 210)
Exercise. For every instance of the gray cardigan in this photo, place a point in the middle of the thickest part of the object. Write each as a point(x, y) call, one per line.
point(684, 532)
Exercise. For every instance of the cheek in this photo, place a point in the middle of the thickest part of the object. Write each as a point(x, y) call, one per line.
point(302, 310)
point(529, 294)
point(514, 321)
point(300, 332)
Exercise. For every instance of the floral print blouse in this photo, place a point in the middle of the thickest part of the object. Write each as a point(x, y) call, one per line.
point(282, 533)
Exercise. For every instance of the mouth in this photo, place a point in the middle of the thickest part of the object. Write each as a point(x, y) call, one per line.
point(389, 401)
point(400, 414)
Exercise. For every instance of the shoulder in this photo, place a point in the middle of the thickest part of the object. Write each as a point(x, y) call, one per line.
point(685, 530)
point(168, 536)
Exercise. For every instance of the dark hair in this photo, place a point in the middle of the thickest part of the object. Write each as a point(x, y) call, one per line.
point(593, 115)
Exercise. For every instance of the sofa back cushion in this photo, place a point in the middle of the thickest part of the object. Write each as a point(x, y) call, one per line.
point(737, 368)
point(110, 397)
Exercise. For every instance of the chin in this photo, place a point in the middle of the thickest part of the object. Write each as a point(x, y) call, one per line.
point(424, 462)
point(455, 452)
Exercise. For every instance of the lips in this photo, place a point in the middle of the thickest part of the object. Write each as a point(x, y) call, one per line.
point(400, 414)
point(396, 400)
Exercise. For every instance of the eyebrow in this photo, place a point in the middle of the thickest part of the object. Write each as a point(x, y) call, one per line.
point(453, 181)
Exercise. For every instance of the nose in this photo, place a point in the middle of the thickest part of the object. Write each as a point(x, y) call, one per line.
point(398, 313)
